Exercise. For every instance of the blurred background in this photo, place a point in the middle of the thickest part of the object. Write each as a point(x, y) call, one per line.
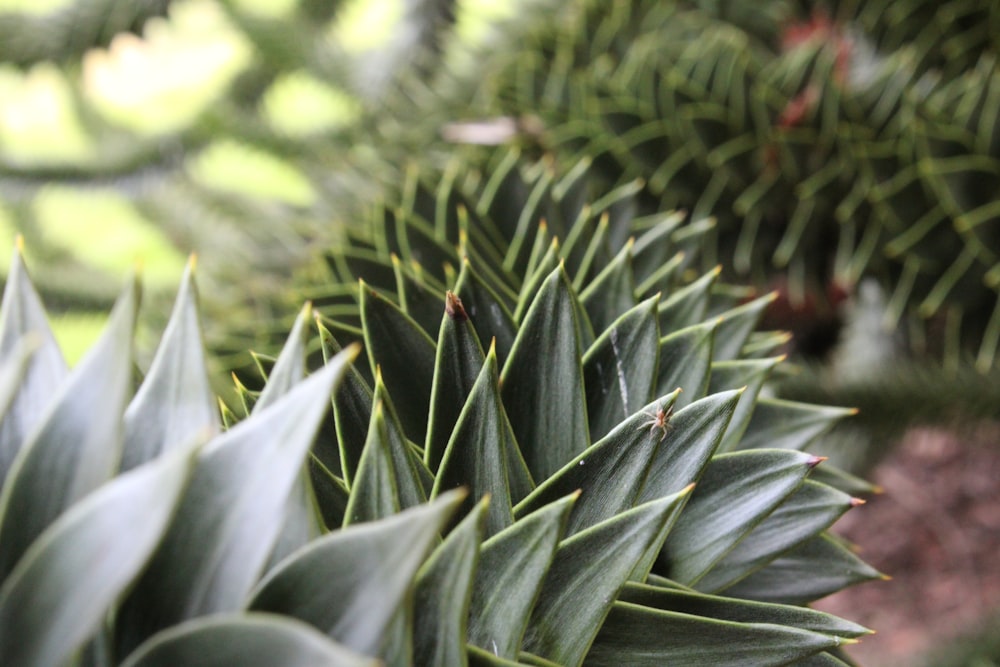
point(847, 155)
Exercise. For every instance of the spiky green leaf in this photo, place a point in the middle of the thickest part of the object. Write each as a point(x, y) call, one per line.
point(77, 445)
point(67, 582)
point(352, 583)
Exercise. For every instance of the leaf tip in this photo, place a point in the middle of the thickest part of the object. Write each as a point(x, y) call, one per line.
point(454, 308)
point(814, 461)
point(19, 244)
point(857, 502)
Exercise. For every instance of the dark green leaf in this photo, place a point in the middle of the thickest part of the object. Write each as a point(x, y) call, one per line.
point(735, 493)
point(477, 657)
point(749, 373)
point(248, 640)
point(586, 575)
point(175, 401)
point(77, 447)
point(809, 511)
point(60, 592)
point(612, 292)
point(459, 360)
point(687, 306)
point(482, 454)
point(736, 325)
point(387, 480)
point(619, 368)
point(231, 514)
point(740, 611)
point(512, 565)
point(489, 315)
point(405, 354)
point(542, 381)
point(352, 412)
point(692, 437)
point(809, 572)
point(789, 424)
point(444, 589)
point(352, 583)
point(610, 473)
point(686, 361)
point(636, 635)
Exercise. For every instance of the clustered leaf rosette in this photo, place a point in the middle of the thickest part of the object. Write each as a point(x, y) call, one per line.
point(529, 486)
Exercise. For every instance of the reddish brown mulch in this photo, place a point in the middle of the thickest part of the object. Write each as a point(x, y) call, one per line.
point(936, 531)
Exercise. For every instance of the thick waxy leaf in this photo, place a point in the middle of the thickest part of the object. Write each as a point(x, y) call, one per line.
point(619, 368)
point(477, 657)
point(692, 436)
point(302, 521)
point(330, 492)
point(77, 445)
point(809, 572)
point(22, 314)
point(512, 565)
point(740, 611)
point(397, 345)
point(637, 635)
point(789, 424)
point(735, 493)
point(61, 591)
point(749, 373)
point(175, 402)
point(687, 306)
point(13, 367)
point(416, 298)
point(231, 515)
point(809, 511)
point(486, 311)
point(248, 640)
point(352, 583)
point(352, 412)
point(735, 327)
point(444, 589)
point(612, 292)
point(653, 250)
point(482, 454)
point(686, 361)
point(823, 660)
point(388, 479)
point(542, 381)
point(549, 262)
point(290, 367)
point(610, 473)
point(588, 571)
point(459, 360)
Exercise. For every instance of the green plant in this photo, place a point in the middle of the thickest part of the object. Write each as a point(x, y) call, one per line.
point(821, 159)
point(606, 515)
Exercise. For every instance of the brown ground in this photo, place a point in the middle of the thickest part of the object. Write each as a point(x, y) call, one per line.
point(936, 531)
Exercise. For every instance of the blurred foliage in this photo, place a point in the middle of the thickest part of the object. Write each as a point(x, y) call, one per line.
point(825, 140)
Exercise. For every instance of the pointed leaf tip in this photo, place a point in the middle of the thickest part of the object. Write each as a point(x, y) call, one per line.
point(858, 502)
point(815, 461)
point(453, 307)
